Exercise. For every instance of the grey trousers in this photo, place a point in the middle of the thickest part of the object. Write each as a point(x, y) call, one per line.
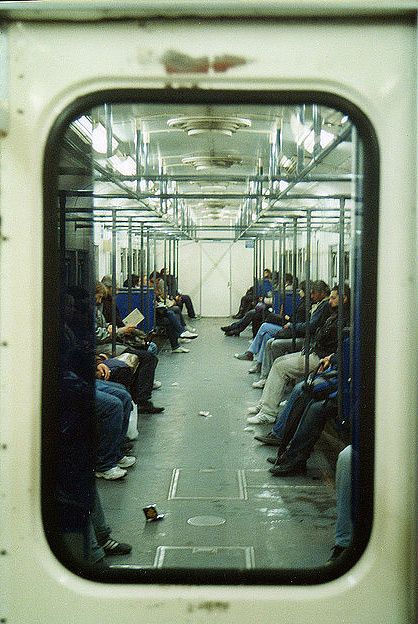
point(276, 347)
point(290, 367)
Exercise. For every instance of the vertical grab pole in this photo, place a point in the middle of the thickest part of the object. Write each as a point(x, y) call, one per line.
point(141, 269)
point(273, 255)
point(138, 160)
point(146, 284)
point(169, 269)
point(154, 269)
point(340, 325)
point(308, 290)
point(294, 269)
point(165, 261)
point(283, 268)
point(130, 264)
point(255, 255)
point(113, 282)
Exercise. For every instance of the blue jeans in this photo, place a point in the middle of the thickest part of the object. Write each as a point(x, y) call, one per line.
point(344, 526)
point(280, 424)
point(168, 319)
point(258, 345)
point(308, 432)
point(113, 407)
point(98, 531)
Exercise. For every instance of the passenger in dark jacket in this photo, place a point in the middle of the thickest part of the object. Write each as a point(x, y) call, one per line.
point(292, 366)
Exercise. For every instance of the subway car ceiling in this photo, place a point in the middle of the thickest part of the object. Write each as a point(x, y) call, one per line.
point(209, 172)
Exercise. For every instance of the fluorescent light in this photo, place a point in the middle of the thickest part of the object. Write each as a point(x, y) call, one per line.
point(99, 137)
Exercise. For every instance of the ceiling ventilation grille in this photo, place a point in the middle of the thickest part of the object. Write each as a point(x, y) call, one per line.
point(198, 125)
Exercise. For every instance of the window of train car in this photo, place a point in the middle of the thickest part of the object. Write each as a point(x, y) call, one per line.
point(260, 206)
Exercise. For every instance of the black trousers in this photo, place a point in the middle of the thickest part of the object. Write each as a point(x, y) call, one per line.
point(140, 382)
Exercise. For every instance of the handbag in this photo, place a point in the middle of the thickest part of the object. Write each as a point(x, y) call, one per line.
point(130, 359)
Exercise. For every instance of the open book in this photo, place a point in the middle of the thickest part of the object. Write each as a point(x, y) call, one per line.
point(134, 317)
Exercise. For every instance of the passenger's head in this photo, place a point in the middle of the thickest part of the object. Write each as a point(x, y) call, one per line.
point(334, 297)
point(107, 282)
point(267, 274)
point(288, 278)
point(319, 291)
point(101, 292)
point(302, 289)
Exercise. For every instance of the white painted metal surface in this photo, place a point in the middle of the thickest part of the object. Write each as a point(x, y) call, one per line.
point(50, 67)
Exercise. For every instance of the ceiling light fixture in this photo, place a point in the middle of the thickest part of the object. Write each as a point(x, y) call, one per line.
point(195, 125)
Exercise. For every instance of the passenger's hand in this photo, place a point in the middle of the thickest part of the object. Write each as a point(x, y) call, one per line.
point(324, 364)
point(103, 372)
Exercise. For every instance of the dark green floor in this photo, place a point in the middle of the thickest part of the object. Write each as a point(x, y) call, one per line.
point(197, 467)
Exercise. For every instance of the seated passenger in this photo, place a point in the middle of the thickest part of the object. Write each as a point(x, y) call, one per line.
point(254, 317)
point(139, 380)
point(268, 330)
point(179, 298)
point(135, 338)
point(292, 366)
point(112, 406)
point(293, 332)
point(134, 281)
point(246, 304)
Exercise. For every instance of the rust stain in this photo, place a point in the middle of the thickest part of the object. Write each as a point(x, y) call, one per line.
point(227, 61)
point(178, 63)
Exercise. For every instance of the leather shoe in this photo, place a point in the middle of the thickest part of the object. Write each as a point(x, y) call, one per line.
point(149, 408)
point(225, 328)
point(232, 332)
point(287, 470)
point(270, 439)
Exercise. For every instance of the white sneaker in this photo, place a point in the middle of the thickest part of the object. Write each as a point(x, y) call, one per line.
point(127, 461)
point(254, 410)
point(188, 334)
point(191, 329)
point(112, 474)
point(283, 403)
point(261, 419)
point(183, 340)
point(180, 350)
point(255, 368)
point(260, 383)
point(156, 385)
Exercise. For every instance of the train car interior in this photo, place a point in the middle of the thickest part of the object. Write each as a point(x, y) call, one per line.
point(247, 206)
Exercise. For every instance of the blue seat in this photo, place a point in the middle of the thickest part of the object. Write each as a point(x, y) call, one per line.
point(143, 301)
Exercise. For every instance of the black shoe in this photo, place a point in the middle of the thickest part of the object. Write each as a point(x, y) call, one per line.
point(149, 408)
point(337, 551)
point(272, 460)
point(237, 316)
point(270, 439)
point(287, 470)
point(127, 446)
point(112, 547)
point(225, 328)
point(232, 332)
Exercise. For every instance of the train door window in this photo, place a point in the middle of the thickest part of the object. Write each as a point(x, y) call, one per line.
point(287, 179)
